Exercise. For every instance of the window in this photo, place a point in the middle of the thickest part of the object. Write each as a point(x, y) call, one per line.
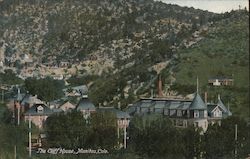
point(172, 112)
point(205, 113)
point(40, 109)
point(217, 113)
point(179, 113)
point(196, 114)
point(165, 111)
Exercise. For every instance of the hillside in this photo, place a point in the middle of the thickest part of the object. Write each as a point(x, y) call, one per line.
point(117, 47)
point(224, 52)
point(90, 35)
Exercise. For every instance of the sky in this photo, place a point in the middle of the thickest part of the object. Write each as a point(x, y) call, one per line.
point(216, 6)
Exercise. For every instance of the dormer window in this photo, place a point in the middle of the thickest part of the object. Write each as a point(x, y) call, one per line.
point(40, 109)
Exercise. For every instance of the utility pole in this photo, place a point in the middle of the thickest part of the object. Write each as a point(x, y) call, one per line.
point(29, 137)
point(236, 142)
point(125, 138)
point(118, 136)
point(18, 115)
point(15, 152)
point(2, 95)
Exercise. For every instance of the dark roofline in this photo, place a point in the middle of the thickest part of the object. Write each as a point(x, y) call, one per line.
point(166, 99)
point(221, 78)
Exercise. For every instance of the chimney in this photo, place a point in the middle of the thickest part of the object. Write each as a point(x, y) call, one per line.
point(205, 97)
point(160, 94)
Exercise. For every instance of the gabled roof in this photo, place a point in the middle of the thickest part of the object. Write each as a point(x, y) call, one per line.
point(197, 103)
point(29, 99)
point(211, 107)
point(85, 104)
point(221, 105)
point(67, 105)
point(33, 111)
point(226, 112)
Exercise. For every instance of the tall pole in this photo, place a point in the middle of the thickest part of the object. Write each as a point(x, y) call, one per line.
point(29, 137)
point(236, 134)
point(18, 115)
point(197, 85)
point(2, 95)
point(118, 136)
point(125, 138)
point(15, 152)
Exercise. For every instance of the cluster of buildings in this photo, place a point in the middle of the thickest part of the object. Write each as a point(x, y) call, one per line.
point(28, 107)
point(182, 112)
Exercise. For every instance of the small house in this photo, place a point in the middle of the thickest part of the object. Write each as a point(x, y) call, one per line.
point(220, 81)
point(38, 114)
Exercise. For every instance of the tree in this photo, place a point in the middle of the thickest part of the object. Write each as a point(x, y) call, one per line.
point(72, 130)
point(104, 130)
point(220, 140)
point(67, 130)
point(46, 89)
point(155, 136)
point(192, 142)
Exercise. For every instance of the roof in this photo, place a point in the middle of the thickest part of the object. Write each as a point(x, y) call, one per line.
point(220, 78)
point(159, 104)
point(145, 103)
point(197, 103)
point(57, 110)
point(174, 104)
point(226, 111)
point(29, 99)
point(131, 109)
point(85, 104)
point(33, 111)
point(119, 114)
point(221, 105)
point(19, 95)
point(184, 105)
point(211, 107)
point(67, 105)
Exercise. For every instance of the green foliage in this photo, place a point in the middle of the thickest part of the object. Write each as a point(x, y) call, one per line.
point(220, 140)
point(155, 137)
point(66, 130)
point(192, 142)
point(76, 81)
point(10, 136)
point(104, 130)
point(10, 78)
point(183, 89)
point(46, 89)
point(72, 130)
